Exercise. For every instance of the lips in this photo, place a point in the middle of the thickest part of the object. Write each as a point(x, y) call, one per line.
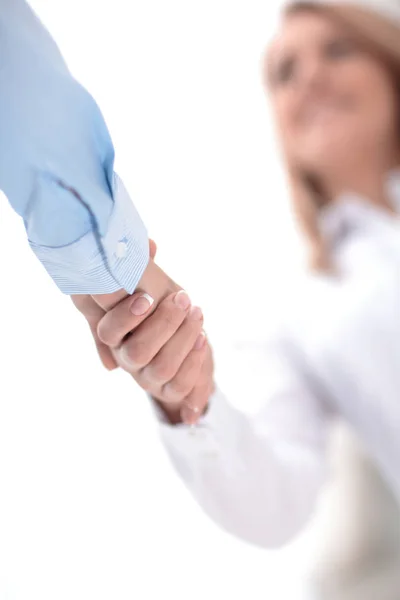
point(314, 112)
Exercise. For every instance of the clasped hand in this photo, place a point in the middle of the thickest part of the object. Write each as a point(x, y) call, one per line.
point(157, 336)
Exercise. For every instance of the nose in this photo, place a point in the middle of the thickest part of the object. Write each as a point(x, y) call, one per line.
point(312, 74)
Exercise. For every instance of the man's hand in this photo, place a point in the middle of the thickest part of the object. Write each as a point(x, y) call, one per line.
point(154, 282)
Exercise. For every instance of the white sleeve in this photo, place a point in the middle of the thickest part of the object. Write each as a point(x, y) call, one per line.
point(257, 476)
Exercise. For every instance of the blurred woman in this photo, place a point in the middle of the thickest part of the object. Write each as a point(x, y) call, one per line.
point(333, 77)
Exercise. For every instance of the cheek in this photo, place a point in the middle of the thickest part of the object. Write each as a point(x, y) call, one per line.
point(378, 120)
point(375, 99)
point(284, 115)
point(384, 109)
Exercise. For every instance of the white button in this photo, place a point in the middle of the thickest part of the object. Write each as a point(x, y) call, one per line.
point(197, 433)
point(121, 250)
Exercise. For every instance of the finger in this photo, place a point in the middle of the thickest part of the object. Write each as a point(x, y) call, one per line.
point(123, 318)
point(181, 385)
point(166, 364)
point(93, 315)
point(196, 402)
point(141, 347)
point(153, 281)
point(105, 355)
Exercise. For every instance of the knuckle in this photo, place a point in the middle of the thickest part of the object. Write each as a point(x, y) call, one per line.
point(194, 363)
point(106, 333)
point(136, 352)
point(146, 385)
point(171, 313)
point(171, 318)
point(178, 388)
point(162, 371)
point(193, 328)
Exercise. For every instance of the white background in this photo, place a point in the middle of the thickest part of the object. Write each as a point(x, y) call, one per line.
point(89, 505)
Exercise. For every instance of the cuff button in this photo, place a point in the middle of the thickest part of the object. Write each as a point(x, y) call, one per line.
point(121, 250)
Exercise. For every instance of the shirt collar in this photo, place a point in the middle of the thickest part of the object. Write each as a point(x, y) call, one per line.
point(341, 217)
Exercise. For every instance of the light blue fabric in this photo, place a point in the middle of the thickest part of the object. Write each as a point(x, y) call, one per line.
point(56, 165)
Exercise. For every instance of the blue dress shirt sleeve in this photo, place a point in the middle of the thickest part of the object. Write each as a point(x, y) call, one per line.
point(56, 166)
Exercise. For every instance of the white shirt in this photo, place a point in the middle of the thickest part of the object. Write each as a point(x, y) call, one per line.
point(339, 356)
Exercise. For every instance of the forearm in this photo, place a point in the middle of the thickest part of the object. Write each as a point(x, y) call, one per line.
point(56, 166)
point(250, 485)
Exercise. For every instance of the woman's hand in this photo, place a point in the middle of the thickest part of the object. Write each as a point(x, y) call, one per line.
point(167, 353)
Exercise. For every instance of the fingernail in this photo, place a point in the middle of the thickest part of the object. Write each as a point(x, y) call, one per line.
point(182, 300)
point(201, 340)
point(141, 305)
point(196, 314)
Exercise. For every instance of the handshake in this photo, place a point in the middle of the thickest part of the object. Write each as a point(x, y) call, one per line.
point(157, 336)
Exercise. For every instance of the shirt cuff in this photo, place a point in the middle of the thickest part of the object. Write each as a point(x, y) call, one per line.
point(97, 264)
point(219, 427)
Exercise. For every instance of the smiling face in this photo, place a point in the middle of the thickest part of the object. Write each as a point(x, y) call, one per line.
point(332, 97)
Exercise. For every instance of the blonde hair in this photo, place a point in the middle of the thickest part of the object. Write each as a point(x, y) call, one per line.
point(383, 38)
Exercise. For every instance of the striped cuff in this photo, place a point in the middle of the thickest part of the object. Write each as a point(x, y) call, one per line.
point(102, 265)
